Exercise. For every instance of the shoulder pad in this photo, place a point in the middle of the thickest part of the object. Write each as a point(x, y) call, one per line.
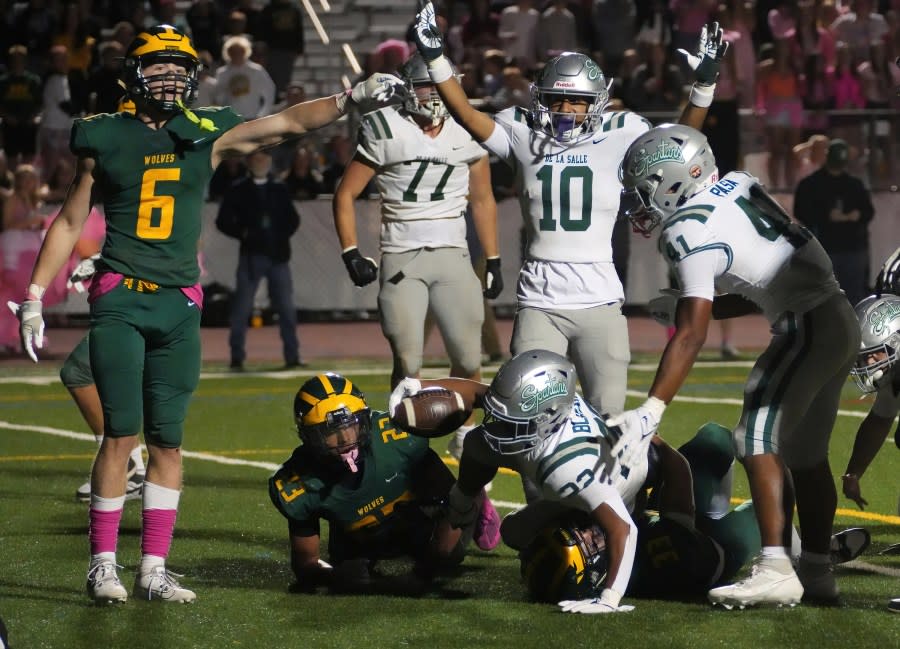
point(203, 125)
point(377, 124)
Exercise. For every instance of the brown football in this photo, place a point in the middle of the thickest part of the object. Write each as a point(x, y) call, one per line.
point(431, 412)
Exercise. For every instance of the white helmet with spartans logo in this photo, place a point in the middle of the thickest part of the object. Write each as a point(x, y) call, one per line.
point(662, 169)
point(574, 76)
point(879, 324)
point(529, 399)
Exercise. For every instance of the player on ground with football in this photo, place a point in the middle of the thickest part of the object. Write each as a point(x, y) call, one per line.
point(536, 424)
point(729, 235)
point(382, 491)
point(150, 170)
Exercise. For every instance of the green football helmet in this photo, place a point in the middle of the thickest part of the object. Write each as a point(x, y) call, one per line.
point(333, 418)
point(565, 562)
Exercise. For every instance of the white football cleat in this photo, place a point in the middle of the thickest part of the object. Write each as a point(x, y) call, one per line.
point(103, 585)
point(160, 584)
point(771, 583)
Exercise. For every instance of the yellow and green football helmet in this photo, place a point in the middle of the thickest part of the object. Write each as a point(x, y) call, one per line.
point(565, 562)
point(333, 418)
point(162, 43)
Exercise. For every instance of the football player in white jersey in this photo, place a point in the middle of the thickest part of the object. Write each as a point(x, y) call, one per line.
point(536, 424)
point(428, 171)
point(566, 153)
point(729, 236)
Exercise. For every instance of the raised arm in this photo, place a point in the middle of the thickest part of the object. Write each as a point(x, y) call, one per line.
point(711, 50)
point(431, 47)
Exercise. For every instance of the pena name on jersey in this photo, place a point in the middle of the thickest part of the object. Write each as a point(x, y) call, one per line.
point(573, 463)
point(303, 492)
point(423, 181)
point(152, 183)
point(732, 237)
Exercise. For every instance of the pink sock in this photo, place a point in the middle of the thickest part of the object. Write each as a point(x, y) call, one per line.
point(159, 524)
point(103, 530)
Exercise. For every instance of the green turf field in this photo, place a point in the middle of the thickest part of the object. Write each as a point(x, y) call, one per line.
point(231, 543)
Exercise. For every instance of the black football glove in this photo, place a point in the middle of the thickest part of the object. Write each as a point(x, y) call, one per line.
point(493, 278)
point(363, 270)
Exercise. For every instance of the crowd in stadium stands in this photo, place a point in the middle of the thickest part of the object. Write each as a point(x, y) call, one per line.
point(793, 63)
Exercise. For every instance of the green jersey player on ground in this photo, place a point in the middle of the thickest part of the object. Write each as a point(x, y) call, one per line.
point(150, 169)
point(381, 490)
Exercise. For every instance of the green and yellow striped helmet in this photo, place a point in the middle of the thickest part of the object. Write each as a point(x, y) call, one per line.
point(163, 43)
point(566, 562)
point(324, 408)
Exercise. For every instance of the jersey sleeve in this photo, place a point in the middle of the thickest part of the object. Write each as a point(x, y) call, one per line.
point(374, 134)
point(290, 495)
point(693, 253)
point(502, 140)
point(81, 144)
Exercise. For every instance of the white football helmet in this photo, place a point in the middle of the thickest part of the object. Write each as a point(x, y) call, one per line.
point(528, 400)
point(568, 75)
point(662, 169)
point(879, 324)
point(421, 97)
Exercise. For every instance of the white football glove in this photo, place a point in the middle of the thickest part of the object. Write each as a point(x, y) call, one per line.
point(83, 271)
point(405, 388)
point(380, 88)
point(608, 602)
point(31, 325)
point(461, 511)
point(711, 50)
point(888, 280)
point(662, 308)
point(637, 428)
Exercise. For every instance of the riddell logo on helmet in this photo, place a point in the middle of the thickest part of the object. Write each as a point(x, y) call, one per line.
point(564, 84)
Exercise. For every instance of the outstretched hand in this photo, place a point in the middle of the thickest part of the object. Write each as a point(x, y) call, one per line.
point(711, 50)
point(426, 33)
point(381, 87)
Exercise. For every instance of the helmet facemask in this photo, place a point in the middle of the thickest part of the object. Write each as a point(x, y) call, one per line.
point(424, 100)
point(565, 126)
point(509, 435)
point(640, 210)
point(163, 92)
point(340, 437)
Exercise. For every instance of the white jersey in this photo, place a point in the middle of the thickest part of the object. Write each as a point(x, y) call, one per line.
point(569, 194)
point(732, 237)
point(423, 180)
point(573, 464)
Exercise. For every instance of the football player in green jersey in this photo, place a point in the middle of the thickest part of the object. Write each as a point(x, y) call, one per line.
point(382, 491)
point(150, 169)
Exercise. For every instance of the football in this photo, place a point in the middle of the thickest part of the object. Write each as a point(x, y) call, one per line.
point(431, 412)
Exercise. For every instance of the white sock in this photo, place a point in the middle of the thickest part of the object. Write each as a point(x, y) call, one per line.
point(149, 562)
point(774, 552)
point(102, 557)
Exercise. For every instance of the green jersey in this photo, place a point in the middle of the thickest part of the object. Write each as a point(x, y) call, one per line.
point(367, 514)
point(152, 183)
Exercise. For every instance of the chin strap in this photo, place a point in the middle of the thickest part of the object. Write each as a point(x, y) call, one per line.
point(204, 123)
